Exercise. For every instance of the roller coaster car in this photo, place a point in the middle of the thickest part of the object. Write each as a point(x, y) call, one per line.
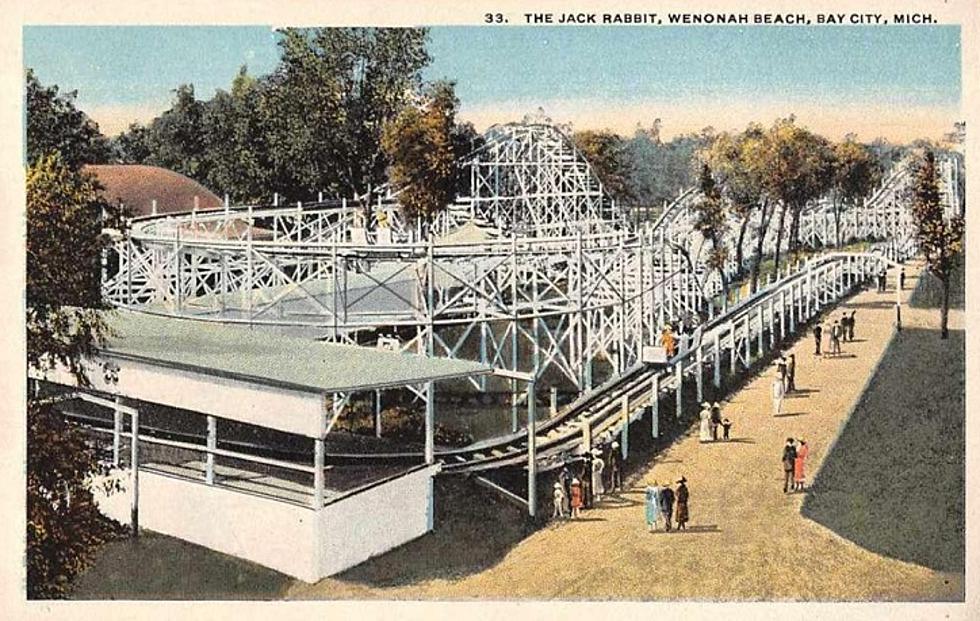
point(654, 355)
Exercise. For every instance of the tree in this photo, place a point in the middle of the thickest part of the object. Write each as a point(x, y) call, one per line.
point(132, 146)
point(711, 221)
point(419, 145)
point(940, 237)
point(55, 124)
point(177, 136)
point(799, 169)
point(235, 142)
point(327, 103)
point(65, 215)
point(605, 153)
point(856, 173)
point(732, 160)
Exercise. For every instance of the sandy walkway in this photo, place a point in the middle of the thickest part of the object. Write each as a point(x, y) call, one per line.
point(748, 540)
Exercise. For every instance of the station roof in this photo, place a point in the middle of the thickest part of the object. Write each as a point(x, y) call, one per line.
point(258, 355)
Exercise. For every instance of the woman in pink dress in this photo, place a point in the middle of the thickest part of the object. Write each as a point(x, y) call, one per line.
point(799, 478)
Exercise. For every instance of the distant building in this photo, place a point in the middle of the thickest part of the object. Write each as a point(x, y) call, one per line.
point(137, 186)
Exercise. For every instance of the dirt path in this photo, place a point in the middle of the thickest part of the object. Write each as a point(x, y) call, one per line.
point(748, 539)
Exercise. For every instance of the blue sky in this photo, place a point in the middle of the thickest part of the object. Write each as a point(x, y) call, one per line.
point(903, 77)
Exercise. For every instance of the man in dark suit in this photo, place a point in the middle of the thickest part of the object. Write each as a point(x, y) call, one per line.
point(667, 505)
point(789, 458)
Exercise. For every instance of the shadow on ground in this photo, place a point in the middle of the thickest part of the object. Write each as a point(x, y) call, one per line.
point(160, 567)
point(894, 481)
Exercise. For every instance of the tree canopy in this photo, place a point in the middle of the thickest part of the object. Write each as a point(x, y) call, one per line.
point(55, 124)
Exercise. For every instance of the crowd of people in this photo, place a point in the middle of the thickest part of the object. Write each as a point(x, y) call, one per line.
point(583, 481)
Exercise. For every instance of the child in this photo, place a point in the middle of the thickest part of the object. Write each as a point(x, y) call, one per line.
point(726, 425)
point(576, 497)
point(559, 498)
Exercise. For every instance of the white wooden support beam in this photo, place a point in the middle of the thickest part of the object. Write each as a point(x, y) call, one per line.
point(772, 321)
point(318, 483)
point(532, 461)
point(733, 350)
point(134, 508)
point(212, 443)
point(762, 327)
point(117, 429)
point(782, 313)
point(430, 422)
point(625, 433)
point(678, 388)
point(748, 338)
point(553, 393)
point(699, 361)
point(377, 413)
point(717, 361)
point(655, 405)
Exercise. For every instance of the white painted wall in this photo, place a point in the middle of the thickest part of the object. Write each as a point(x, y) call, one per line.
point(374, 521)
point(287, 410)
point(292, 539)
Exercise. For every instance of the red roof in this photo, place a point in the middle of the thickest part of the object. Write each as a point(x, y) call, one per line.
point(137, 186)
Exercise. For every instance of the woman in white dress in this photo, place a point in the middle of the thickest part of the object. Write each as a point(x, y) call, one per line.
point(704, 431)
point(598, 489)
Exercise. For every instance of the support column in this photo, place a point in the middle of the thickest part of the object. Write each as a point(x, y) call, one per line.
point(762, 328)
point(782, 314)
point(699, 360)
point(586, 437)
point(430, 422)
point(554, 401)
point(117, 428)
point(377, 413)
point(318, 455)
point(532, 464)
point(655, 406)
point(679, 388)
point(772, 322)
point(212, 445)
point(624, 444)
point(748, 338)
point(134, 509)
point(716, 378)
point(732, 351)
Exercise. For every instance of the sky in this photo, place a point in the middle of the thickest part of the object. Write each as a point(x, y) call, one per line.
point(893, 81)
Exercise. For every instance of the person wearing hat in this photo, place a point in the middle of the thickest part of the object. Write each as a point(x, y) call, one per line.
point(653, 511)
point(558, 495)
point(565, 479)
point(598, 489)
point(667, 505)
point(781, 370)
point(789, 463)
point(615, 468)
point(777, 395)
point(791, 373)
point(576, 487)
point(704, 431)
point(682, 511)
point(715, 420)
point(799, 478)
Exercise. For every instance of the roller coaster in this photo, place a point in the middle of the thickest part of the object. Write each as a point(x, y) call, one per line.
point(536, 271)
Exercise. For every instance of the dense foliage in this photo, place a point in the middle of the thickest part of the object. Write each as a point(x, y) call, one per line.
point(940, 235)
point(65, 218)
point(55, 124)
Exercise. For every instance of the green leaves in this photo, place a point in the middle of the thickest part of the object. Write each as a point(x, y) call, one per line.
point(419, 143)
point(55, 124)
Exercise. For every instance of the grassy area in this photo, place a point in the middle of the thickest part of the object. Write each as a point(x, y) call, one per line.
point(159, 567)
point(895, 480)
point(929, 293)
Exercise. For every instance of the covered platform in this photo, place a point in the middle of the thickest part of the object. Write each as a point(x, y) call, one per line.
point(300, 517)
